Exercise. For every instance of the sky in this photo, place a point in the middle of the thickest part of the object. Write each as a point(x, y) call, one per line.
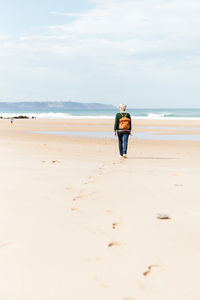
point(145, 53)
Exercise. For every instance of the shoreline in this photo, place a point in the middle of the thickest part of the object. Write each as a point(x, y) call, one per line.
point(170, 136)
point(69, 118)
point(103, 128)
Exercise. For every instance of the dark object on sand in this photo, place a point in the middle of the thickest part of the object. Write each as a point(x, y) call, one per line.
point(163, 217)
point(21, 117)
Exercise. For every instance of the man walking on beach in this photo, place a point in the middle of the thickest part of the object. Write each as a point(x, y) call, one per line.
point(122, 129)
point(11, 121)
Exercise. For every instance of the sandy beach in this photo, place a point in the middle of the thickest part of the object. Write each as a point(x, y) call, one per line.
point(78, 222)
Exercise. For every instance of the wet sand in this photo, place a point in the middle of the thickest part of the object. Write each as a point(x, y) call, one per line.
point(77, 222)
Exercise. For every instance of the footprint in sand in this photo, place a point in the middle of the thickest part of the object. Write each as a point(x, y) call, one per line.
point(82, 194)
point(74, 208)
point(129, 299)
point(108, 211)
point(89, 180)
point(149, 269)
point(101, 168)
point(115, 225)
point(75, 198)
point(55, 161)
point(68, 188)
point(114, 244)
point(78, 197)
point(4, 244)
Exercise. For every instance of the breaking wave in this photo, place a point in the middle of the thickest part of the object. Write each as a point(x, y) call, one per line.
point(110, 114)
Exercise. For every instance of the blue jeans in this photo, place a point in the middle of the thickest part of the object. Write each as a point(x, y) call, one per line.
point(123, 142)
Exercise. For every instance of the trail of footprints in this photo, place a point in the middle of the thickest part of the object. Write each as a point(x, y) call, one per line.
point(101, 170)
point(115, 225)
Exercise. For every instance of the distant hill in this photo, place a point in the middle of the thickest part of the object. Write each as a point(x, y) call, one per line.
point(54, 105)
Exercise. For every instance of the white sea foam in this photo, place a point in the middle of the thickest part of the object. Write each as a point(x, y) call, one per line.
point(158, 116)
point(154, 116)
point(60, 115)
point(49, 115)
point(52, 115)
point(67, 116)
point(163, 116)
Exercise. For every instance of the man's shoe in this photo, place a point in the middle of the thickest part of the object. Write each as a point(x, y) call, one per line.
point(124, 156)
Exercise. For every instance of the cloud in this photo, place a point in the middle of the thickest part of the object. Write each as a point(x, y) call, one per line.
point(126, 29)
point(145, 18)
point(125, 39)
point(137, 27)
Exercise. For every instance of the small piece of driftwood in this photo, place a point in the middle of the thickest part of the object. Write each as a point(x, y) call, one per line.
point(163, 217)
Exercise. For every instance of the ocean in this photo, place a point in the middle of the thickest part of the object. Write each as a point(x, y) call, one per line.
point(148, 113)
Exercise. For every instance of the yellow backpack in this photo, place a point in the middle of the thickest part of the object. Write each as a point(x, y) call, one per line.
point(124, 123)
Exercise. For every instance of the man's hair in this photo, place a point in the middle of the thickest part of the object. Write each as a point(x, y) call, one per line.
point(123, 106)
